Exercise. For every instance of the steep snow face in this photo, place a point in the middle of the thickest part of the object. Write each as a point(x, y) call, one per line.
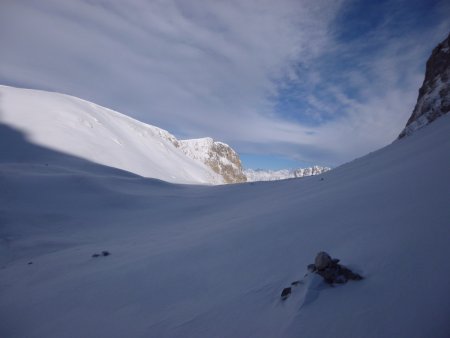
point(98, 134)
point(274, 175)
point(219, 156)
point(434, 95)
point(201, 261)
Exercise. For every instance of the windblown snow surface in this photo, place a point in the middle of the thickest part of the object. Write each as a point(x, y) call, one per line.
point(81, 128)
point(211, 261)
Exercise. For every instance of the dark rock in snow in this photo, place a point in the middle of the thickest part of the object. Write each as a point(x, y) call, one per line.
point(311, 268)
point(285, 293)
point(104, 254)
point(322, 260)
point(330, 269)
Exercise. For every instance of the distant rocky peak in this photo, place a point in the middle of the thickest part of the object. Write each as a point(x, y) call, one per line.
point(434, 95)
point(219, 156)
point(275, 175)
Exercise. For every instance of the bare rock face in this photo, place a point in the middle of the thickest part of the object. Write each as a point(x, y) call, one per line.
point(434, 95)
point(219, 156)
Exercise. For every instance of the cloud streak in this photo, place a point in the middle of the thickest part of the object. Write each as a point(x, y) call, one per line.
point(219, 68)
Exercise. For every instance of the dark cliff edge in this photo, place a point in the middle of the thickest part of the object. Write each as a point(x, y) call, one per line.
point(434, 95)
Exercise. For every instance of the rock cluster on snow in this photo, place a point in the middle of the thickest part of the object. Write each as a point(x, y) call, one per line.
point(330, 269)
point(104, 254)
point(434, 95)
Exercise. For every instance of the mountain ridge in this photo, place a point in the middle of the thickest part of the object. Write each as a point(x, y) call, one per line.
point(254, 175)
point(87, 130)
point(99, 134)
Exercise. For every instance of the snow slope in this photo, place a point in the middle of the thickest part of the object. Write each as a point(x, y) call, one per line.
point(201, 261)
point(100, 135)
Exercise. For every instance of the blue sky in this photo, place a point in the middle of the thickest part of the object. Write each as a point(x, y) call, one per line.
point(287, 83)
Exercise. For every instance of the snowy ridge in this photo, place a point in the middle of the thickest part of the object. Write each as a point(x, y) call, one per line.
point(197, 148)
point(98, 134)
point(274, 175)
point(101, 135)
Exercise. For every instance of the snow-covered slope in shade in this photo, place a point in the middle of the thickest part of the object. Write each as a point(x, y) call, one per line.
point(220, 157)
point(274, 175)
point(98, 134)
point(200, 261)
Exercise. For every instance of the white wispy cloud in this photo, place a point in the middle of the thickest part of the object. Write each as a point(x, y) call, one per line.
point(214, 68)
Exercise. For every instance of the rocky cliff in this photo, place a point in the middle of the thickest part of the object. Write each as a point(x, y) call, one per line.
point(434, 95)
point(220, 157)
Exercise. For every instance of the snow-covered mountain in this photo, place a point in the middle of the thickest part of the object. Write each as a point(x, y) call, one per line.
point(220, 157)
point(100, 135)
point(274, 175)
point(84, 129)
point(434, 95)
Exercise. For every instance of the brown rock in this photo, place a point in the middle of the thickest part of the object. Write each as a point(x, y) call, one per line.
point(434, 95)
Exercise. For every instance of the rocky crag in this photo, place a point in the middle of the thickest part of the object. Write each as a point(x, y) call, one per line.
point(220, 157)
point(434, 95)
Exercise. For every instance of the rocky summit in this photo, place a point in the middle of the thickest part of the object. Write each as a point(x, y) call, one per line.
point(434, 95)
point(220, 157)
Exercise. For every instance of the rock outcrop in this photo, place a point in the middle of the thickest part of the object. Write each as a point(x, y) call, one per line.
point(331, 271)
point(434, 95)
point(220, 157)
